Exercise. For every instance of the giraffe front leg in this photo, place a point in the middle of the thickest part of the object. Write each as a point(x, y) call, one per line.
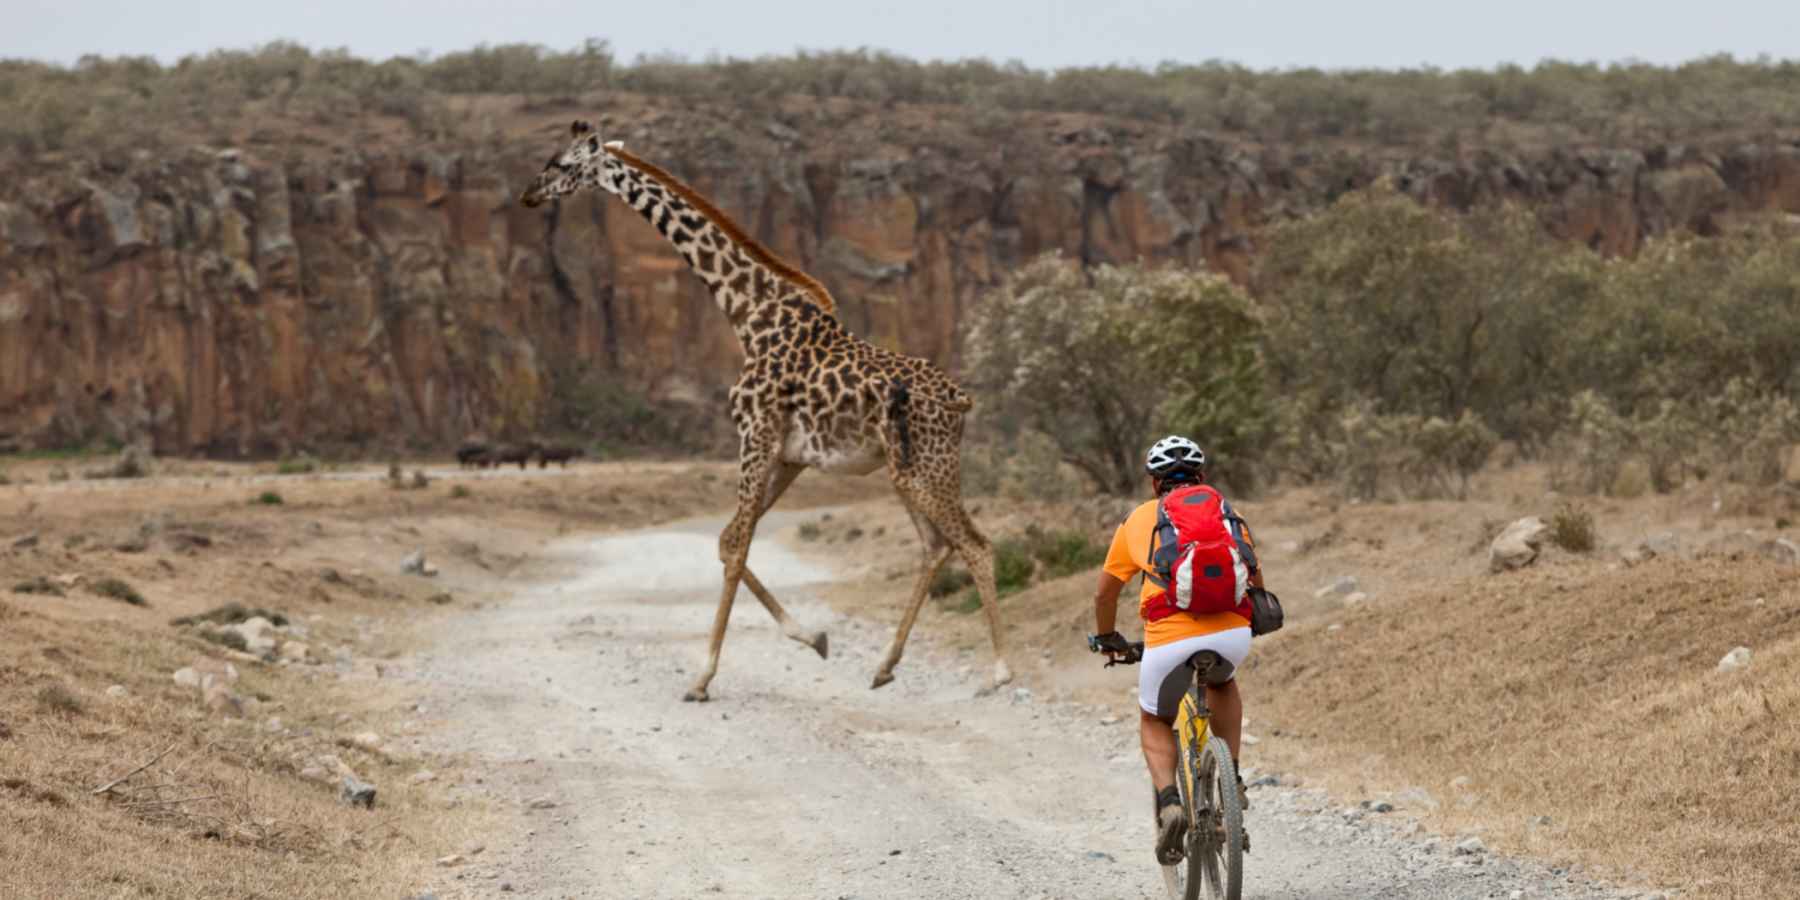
point(733, 571)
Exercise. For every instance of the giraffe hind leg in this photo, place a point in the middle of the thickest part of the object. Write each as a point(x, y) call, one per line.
point(935, 552)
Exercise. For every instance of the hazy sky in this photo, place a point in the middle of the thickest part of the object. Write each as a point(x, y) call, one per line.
point(1041, 33)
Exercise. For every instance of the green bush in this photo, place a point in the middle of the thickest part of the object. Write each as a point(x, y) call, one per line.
point(119, 590)
point(267, 498)
point(1096, 363)
point(1061, 553)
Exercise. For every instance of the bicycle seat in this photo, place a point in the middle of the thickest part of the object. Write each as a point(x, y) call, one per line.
point(1211, 668)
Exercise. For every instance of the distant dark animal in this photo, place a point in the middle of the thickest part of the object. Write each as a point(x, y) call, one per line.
point(557, 453)
point(471, 453)
point(513, 453)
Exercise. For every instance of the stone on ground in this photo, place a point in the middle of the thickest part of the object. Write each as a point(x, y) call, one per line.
point(1517, 546)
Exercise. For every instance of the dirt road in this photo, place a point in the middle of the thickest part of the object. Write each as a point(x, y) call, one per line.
point(799, 781)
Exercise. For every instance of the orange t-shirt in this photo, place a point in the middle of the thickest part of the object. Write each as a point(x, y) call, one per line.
point(1130, 555)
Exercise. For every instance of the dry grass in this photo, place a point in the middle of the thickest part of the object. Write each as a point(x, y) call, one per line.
point(1577, 693)
point(1576, 690)
point(227, 813)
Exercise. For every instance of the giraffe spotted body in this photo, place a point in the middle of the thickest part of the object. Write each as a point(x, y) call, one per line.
point(811, 394)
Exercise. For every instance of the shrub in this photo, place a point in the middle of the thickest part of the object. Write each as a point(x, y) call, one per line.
point(231, 639)
point(950, 578)
point(267, 498)
point(58, 699)
point(121, 591)
point(1591, 451)
point(460, 492)
point(230, 614)
point(1572, 528)
point(301, 465)
point(1061, 553)
point(38, 585)
point(1096, 363)
point(810, 531)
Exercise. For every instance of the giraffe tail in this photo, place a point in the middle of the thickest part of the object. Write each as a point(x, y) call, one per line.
point(899, 408)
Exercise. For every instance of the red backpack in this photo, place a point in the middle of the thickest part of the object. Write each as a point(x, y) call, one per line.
point(1202, 560)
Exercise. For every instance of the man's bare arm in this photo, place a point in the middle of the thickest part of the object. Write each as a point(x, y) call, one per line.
point(1106, 603)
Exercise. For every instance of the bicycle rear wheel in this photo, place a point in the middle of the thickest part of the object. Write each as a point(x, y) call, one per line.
point(1216, 838)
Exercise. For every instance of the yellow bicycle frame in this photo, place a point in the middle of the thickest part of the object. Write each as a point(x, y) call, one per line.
point(1192, 730)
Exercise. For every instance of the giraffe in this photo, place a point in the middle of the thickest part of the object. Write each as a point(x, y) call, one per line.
point(811, 394)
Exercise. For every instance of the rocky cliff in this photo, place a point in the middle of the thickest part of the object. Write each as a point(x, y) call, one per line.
point(307, 291)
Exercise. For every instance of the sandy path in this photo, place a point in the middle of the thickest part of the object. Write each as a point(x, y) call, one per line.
point(798, 781)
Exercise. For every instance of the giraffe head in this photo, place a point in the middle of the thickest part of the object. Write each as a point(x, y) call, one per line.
point(581, 165)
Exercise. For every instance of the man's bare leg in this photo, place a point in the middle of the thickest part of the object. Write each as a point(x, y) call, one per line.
point(1227, 715)
point(1158, 738)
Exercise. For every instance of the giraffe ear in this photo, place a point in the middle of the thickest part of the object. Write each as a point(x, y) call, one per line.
point(580, 128)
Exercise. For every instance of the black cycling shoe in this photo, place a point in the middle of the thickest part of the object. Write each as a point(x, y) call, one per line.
point(1171, 827)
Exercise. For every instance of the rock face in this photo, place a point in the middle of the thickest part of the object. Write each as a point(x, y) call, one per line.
point(1517, 546)
point(284, 295)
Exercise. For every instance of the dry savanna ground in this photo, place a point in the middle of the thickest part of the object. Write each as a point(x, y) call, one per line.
point(244, 797)
point(1570, 710)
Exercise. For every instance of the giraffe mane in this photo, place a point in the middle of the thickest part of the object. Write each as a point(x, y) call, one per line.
point(725, 223)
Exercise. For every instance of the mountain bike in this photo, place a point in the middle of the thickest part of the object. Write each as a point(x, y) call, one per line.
point(1211, 862)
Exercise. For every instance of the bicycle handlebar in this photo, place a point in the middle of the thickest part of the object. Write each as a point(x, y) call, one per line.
point(1132, 655)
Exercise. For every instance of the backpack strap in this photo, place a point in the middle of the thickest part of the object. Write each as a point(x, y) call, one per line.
point(1240, 531)
point(1164, 546)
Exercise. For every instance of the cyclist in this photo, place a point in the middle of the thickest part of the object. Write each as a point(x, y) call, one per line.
point(1170, 640)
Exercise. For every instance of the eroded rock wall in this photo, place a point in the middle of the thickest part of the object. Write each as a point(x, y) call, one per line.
point(257, 301)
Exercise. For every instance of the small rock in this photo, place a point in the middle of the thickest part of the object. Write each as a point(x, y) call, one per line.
point(1021, 695)
point(1469, 847)
point(315, 773)
point(1355, 598)
point(221, 700)
point(1343, 586)
point(1101, 854)
point(1381, 806)
point(1430, 845)
point(423, 777)
point(1517, 894)
point(367, 740)
point(187, 677)
point(1110, 720)
point(542, 803)
point(295, 651)
point(440, 599)
point(117, 692)
point(1418, 798)
point(454, 859)
point(1517, 546)
point(1335, 626)
point(26, 542)
point(414, 563)
point(357, 792)
point(1250, 739)
point(475, 850)
point(274, 725)
point(1461, 782)
point(1266, 781)
point(1737, 659)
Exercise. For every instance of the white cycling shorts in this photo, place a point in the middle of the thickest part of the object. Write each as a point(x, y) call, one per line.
point(1163, 676)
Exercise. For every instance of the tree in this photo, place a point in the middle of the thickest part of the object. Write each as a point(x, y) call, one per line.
point(1103, 361)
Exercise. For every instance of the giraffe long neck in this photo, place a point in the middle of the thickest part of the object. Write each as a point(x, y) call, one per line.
point(744, 277)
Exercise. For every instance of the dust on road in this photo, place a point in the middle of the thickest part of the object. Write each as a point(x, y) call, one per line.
point(799, 781)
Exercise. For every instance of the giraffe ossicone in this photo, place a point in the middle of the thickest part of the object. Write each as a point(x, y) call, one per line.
point(811, 394)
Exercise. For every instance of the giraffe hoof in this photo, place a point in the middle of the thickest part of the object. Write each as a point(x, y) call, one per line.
point(1002, 674)
point(821, 643)
point(881, 678)
point(695, 695)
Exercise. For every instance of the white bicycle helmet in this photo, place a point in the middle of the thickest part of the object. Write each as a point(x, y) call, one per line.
point(1174, 454)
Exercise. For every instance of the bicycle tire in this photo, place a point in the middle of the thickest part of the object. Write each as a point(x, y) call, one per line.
point(1217, 848)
